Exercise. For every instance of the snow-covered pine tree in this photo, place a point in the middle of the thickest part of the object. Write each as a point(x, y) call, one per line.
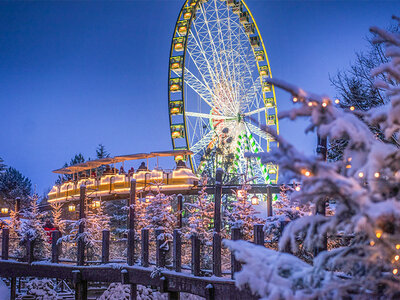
point(57, 209)
point(159, 213)
point(12, 185)
point(96, 221)
point(14, 225)
point(32, 230)
point(242, 213)
point(285, 210)
point(2, 166)
point(201, 215)
point(365, 185)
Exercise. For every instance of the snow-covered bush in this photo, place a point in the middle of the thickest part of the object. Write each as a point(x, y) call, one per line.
point(365, 186)
point(41, 289)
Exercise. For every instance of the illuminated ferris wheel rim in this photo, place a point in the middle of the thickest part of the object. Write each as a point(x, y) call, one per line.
point(227, 93)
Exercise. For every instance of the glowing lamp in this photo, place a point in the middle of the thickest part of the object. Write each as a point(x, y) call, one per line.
point(372, 243)
point(178, 47)
point(306, 173)
point(71, 207)
point(175, 66)
point(175, 110)
point(337, 101)
point(179, 157)
point(169, 208)
point(176, 134)
point(295, 99)
point(96, 203)
point(255, 200)
point(361, 174)
point(376, 174)
point(4, 210)
point(352, 108)
point(310, 104)
point(187, 15)
point(348, 166)
point(378, 234)
point(175, 87)
point(297, 188)
point(395, 271)
point(396, 258)
point(260, 57)
point(297, 208)
point(182, 30)
point(263, 73)
point(324, 104)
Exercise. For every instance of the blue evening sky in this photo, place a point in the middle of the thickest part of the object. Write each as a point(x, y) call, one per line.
point(74, 74)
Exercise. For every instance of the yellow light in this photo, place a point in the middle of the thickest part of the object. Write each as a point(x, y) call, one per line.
point(4, 210)
point(349, 159)
point(241, 193)
point(255, 200)
point(396, 258)
point(295, 99)
point(310, 104)
point(395, 271)
point(398, 246)
point(71, 207)
point(297, 188)
point(376, 174)
point(297, 208)
point(96, 204)
point(378, 234)
point(337, 101)
point(324, 104)
point(348, 166)
point(352, 108)
point(169, 208)
point(361, 174)
point(149, 197)
point(306, 173)
point(372, 243)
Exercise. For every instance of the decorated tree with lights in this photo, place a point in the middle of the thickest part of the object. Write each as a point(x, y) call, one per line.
point(201, 215)
point(14, 225)
point(364, 184)
point(32, 230)
point(159, 213)
point(57, 209)
point(241, 213)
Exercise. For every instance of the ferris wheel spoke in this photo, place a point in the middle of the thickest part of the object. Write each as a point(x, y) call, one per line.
point(202, 143)
point(208, 116)
point(199, 87)
point(255, 111)
point(258, 131)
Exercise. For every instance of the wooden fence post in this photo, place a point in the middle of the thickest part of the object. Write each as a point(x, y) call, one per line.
point(30, 247)
point(180, 209)
point(259, 234)
point(13, 288)
point(160, 252)
point(5, 243)
point(195, 255)
point(217, 199)
point(131, 224)
point(145, 247)
point(81, 291)
point(81, 241)
point(217, 254)
point(105, 247)
point(235, 265)
point(269, 201)
point(177, 250)
point(55, 246)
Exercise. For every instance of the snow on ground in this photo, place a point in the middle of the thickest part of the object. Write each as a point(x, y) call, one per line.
point(4, 291)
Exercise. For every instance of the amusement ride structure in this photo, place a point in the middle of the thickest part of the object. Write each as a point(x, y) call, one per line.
point(217, 95)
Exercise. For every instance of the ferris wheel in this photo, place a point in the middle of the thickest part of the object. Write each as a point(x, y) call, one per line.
point(217, 95)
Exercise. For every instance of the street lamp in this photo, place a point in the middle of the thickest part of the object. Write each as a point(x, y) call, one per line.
point(255, 200)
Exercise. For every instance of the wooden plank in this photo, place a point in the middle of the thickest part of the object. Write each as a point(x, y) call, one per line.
point(217, 269)
point(55, 246)
point(131, 224)
point(195, 255)
point(145, 248)
point(217, 200)
point(81, 229)
point(5, 243)
point(235, 265)
point(259, 234)
point(177, 250)
point(105, 247)
point(269, 201)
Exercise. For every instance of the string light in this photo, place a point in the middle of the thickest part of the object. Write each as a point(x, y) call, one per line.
point(307, 173)
point(324, 104)
point(361, 174)
point(396, 258)
point(398, 246)
point(352, 108)
point(310, 104)
point(349, 159)
point(337, 101)
point(395, 271)
point(295, 99)
point(297, 188)
point(348, 166)
point(372, 243)
point(378, 234)
point(297, 208)
point(376, 174)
